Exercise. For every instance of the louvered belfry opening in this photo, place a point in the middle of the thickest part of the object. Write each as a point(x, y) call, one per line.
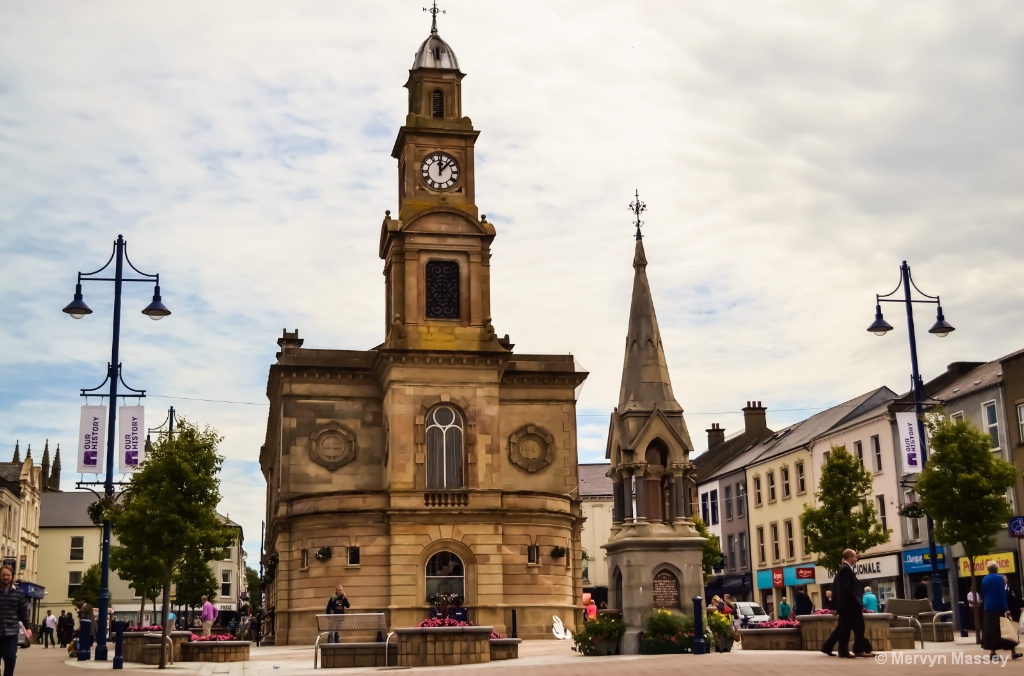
point(437, 103)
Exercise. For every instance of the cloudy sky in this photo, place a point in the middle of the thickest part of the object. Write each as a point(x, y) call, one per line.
point(791, 154)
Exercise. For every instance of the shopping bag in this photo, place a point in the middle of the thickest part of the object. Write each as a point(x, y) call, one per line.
point(1007, 631)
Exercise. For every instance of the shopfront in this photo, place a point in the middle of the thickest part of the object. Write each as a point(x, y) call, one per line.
point(774, 584)
point(916, 564)
point(738, 586)
point(1007, 562)
point(881, 573)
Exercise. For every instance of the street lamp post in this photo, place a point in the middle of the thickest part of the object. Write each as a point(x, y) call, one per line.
point(78, 309)
point(941, 328)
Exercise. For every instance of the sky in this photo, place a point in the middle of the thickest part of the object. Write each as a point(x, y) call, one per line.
point(790, 154)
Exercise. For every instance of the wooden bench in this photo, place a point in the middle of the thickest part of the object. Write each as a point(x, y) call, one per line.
point(330, 624)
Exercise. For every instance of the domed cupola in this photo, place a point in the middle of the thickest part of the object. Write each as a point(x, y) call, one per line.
point(435, 53)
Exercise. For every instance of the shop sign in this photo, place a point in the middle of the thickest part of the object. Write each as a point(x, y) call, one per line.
point(1016, 527)
point(866, 569)
point(805, 573)
point(778, 579)
point(920, 560)
point(1003, 559)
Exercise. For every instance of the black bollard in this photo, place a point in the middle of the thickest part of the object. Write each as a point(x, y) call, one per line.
point(118, 629)
point(963, 619)
point(700, 646)
point(514, 632)
point(84, 640)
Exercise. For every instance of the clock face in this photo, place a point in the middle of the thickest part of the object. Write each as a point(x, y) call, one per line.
point(440, 171)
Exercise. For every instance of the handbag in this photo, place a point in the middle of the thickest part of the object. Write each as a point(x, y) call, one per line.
point(1007, 631)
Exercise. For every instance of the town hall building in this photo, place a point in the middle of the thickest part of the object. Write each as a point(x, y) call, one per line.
point(440, 461)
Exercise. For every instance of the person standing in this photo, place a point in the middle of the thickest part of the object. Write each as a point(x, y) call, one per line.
point(336, 605)
point(49, 625)
point(802, 604)
point(869, 600)
point(849, 608)
point(921, 588)
point(14, 607)
point(591, 611)
point(993, 597)
point(784, 609)
point(829, 603)
point(207, 616)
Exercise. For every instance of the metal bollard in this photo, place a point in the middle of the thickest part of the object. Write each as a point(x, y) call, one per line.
point(963, 619)
point(118, 628)
point(700, 646)
point(84, 640)
point(514, 632)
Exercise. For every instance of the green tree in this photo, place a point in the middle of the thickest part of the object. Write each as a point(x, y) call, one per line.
point(963, 488)
point(169, 509)
point(90, 589)
point(195, 579)
point(142, 573)
point(846, 518)
point(255, 586)
point(712, 549)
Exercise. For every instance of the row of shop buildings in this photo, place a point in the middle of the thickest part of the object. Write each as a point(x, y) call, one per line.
point(751, 488)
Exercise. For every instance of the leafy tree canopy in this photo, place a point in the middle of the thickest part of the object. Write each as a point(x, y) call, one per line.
point(846, 517)
point(712, 549)
point(90, 589)
point(195, 579)
point(169, 511)
point(963, 486)
point(255, 586)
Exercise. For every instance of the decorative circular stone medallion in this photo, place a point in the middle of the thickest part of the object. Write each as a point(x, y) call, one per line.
point(332, 445)
point(531, 448)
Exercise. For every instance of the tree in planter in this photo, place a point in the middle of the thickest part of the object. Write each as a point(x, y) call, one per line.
point(169, 509)
point(846, 517)
point(194, 580)
point(712, 549)
point(963, 488)
point(142, 573)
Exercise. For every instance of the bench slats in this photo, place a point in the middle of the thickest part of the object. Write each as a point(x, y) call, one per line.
point(351, 622)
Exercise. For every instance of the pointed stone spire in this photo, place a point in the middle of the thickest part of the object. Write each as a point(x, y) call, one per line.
point(28, 452)
point(46, 463)
point(54, 481)
point(17, 452)
point(645, 379)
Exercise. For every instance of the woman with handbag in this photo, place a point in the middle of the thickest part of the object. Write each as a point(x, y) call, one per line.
point(997, 630)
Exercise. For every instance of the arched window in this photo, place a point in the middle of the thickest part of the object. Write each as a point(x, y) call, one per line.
point(437, 103)
point(444, 448)
point(445, 574)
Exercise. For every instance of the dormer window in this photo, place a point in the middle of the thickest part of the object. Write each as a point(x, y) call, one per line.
point(437, 103)
point(437, 53)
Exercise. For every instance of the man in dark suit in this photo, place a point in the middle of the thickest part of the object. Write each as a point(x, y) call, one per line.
point(849, 607)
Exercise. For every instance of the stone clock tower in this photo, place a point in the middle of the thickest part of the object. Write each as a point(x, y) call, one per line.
point(439, 461)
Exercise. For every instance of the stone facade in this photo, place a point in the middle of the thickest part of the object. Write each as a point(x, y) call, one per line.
point(438, 461)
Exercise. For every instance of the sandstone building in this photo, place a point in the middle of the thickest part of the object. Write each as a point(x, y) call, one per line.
point(438, 461)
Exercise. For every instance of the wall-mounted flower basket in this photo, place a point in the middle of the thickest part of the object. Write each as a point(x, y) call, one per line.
point(557, 552)
point(323, 554)
point(911, 510)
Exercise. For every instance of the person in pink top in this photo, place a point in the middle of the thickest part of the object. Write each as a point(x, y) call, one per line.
point(208, 615)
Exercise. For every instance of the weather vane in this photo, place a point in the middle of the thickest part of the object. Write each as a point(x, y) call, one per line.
point(638, 207)
point(434, 11)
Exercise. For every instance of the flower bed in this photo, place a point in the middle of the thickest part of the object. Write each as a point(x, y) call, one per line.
point(600, 636)
point(434, 622)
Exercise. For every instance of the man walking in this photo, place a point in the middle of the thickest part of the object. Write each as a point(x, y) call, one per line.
point(49, 625)
point(208, 615)
point(849, 607)
point(14, 607)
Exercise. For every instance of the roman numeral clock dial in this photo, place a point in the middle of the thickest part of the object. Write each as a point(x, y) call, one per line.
point(439, 171)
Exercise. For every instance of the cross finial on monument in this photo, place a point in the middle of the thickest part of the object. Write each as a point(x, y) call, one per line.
point(638, 207)
point(434, 11)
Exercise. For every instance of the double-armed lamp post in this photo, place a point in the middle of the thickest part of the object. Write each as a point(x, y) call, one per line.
point(941, 328)
point(78, 309)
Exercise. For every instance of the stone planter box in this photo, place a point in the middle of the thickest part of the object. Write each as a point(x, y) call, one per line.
point(358, 654)
point(770, 639)
point(134, 643)
point(443, 646)
point(815, 629)
point(505, 648)
point(216, 651)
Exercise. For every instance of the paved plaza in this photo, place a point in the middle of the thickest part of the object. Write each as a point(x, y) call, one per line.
point(556, 658)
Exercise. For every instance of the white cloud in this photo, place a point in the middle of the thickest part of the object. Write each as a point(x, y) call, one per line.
point(791, 154)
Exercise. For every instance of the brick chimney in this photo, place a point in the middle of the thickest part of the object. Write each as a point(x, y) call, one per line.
point(716, 435)
point(754, 418)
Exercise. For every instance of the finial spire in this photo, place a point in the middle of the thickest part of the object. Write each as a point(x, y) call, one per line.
point(434, 11)
point(638, 207)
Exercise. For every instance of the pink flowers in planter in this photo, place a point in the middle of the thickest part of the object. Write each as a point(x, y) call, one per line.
point(434, 622)
point(196, 638)
point(776, 624)
point(145, 627)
